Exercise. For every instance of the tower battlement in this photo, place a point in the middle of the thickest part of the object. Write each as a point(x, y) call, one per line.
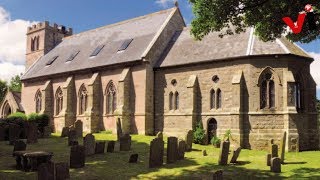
point(46, 25)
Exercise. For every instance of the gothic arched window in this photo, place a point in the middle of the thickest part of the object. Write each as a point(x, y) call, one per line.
point(171, 101)
point(111, 95)
point(83, 99)
point(38, 99)
point(267, 91)
point(176, 104)
point(59, 101)
point(219, 99)
point(37, 43)
point(32, 44)
point(212, 99)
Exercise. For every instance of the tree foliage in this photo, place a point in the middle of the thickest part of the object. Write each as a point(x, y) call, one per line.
point(15, 84)
point(234, 16)
point(3, 89)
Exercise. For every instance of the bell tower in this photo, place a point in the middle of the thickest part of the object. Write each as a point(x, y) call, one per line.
point(42, 38)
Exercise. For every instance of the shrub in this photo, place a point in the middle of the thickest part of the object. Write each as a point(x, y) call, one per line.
point(43, 120)
point(215, 141)
point(33, 117)
point(106, 132)
point(227, 135)
point(198, 134)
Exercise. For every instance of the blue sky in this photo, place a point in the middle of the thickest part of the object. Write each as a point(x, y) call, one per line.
point(83, 15)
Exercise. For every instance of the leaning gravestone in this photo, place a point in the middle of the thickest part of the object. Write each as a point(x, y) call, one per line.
point(2, 133)
point(110, 147)
point(181, 149)
point(156, 153)
point(224, 152)
point(78, 126)
point(125, 142)
point(100, 147)
point(275, 165)
point(235, 155)
point(65, 132)
point(62, 171)
point(133, 158)
point(72, 137)
point(14, 133)
point(119, 129)
point(218, 175)
point(189, 140)
point(89, 143)
point(46, 171)
point(32, 135)
point(77, 156)
point(172, 150)
point(19, 145)
point(283, 146)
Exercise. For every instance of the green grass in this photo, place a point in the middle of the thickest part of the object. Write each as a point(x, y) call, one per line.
point(195, 166)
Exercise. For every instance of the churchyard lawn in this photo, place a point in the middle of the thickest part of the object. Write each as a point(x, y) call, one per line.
point(252, 164)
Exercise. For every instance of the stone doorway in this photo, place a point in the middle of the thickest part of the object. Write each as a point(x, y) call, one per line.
point(212, 129)
point(6, 110)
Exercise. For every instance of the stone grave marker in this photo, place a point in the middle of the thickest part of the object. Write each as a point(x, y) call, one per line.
point(77, 156)
point(46, 132)
point(204, 153)
point(218, 175)
point(19, 145)
point(274, 151)
point(119, 129)
point(283, 146)
point(72, 137)
point(181, 149)
point(268, 159)
point(110, 147)
point(62, 171)
point(78, 126)
point(275, 165)
point(133, 158)
point(89, 143)
point(14, 133)
point(100, 146)
point(156, 153)
point(46, 171)
point(235, 155)
point(125, 142)
point(189, 140)
point(172, 150)
point(160, 135)
point(32, 135)
point(224, 152)
point(2, 133)
point(294, 145)
point(65, 132)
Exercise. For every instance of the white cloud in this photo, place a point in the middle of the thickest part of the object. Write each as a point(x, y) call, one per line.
point(315, 66)
point(164, 3)
point(8, 70)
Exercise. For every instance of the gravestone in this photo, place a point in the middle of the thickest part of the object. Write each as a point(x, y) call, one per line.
point(2, 133)
point(160, 135)
point(224, 152)
point(125, 142)
point(283, 146)
point(156, 153)
point(133, 158)
point(172, 150)
point(271, 142)
point(19, 145)
point(73, 143)
point(100, 147)
point(218, 175)
point(65, 132)
point(110, 147)
point(89, 143)
point(294, 145)
point(274, 150)
point(77, 156)
point(78, 126)
point(72, 137)
point(14, 133)
point(268, 159)
point(62, 171)
point(204, 153)
point(275, 165)
point(46, 132)
point(181, 149)
point(119, 129)
point(32, 135)
point(235, 155)
point(46, 171)
point(189, 140)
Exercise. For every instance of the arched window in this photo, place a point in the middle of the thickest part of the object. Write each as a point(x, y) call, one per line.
point(298, 96)
point(83, 99)
point(37, 43)
point(171, 101)
point(59, 101)
point(6, 111)
point(212, 99)
point(267, 92)
point(38, 99)
point(111, 95)
point(32, 44)
point(219, 99)
point(176, 104)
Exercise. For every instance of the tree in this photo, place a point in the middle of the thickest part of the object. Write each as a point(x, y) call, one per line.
point(15, 84)
point(3, 89)
point(234, 16)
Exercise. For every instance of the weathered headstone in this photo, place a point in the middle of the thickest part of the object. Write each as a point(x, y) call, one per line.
point(89, 143)
point(189, 140)
point(100, 147)
point(73, 143)
point(46, 132)
point(62, 171)
point(283, 146)
point(156, 153)
point(294, 144)
point(204, 153)
point(72, 137)
point(2, 133)
point(78, 125)
point(65, 132)
point(218, 175)
point(235, 155)
point(125, 142)
point(275, 165)
point(181, 149)
point(19, 145)
point(172, 150)
point(77, 156)
point(32, 135)
point(274, 151)
point(110, 147)
point(46, 171)
point(14, 133)
point(224, 152)
point(268, 159)
point(133, 158)
point(119, 129)
point(160, 135)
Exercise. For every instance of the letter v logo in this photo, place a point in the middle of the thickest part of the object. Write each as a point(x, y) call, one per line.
point(296, 28)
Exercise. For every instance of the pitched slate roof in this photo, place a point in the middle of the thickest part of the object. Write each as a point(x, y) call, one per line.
point(184, 49)
point(142, 30)
point(17, 98)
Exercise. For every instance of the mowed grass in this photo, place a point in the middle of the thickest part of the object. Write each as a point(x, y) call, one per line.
point(252, 164)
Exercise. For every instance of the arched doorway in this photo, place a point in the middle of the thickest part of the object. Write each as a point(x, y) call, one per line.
point(212, 129)
point(6, 110)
